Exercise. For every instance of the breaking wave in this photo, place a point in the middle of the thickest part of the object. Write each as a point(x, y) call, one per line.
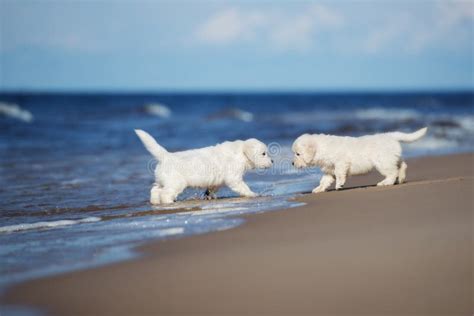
point(16, 112)
point(386, 114)
point(158, 109)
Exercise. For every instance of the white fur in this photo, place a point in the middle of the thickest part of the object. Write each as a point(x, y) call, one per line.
point(209, 167)
point(338, 157)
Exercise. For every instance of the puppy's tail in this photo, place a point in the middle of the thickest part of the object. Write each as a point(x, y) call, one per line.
point(151, 145)
point(409, 137)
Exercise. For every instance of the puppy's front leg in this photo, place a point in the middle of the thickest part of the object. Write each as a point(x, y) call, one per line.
point(340, 171)
point(240, 187)
point(326, 181)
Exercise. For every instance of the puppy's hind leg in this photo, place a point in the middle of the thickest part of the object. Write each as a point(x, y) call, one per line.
point(402, 172)
point(390, 172)
point(155, 194)
point(211, 193)
point(340, 171)
point(326, 181)
point(169, 194)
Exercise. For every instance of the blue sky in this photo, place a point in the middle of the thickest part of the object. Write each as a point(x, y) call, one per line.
point(238, 45)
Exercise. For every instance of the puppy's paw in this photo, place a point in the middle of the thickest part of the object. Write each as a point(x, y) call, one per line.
point(155, 195)
point(166, 201)
point(386, 182)
point(155, 200)
point(339, 187)
point(318, 190)
point(251, 195)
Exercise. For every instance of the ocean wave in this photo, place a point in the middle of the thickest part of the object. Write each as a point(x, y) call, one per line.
point(158, 109)
point(467, 122)
point(14, 111)
point(171, 231)
point(42, 225)
point(344, 115)
point(432, 143)
point(232, 113)
point(386, 114)
point(220, 210)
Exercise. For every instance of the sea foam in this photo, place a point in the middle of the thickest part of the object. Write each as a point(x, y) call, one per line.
point(16, 112)
point(158, 109)
point(49, 224)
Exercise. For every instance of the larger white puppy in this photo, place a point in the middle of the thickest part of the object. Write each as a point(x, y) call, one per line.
point(209, 167)
point(339, 157)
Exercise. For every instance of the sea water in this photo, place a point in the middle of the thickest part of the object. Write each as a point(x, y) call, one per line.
point(75, 179)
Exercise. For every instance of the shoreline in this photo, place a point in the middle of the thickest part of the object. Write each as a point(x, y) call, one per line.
point(383, 250)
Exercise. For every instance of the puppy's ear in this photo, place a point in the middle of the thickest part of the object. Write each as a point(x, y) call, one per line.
point(309, 151)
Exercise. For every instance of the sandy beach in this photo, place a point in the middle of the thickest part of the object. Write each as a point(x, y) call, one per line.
point(365, 250)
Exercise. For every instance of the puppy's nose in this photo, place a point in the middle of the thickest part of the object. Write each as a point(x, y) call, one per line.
point(272, 160)
point(292, 163)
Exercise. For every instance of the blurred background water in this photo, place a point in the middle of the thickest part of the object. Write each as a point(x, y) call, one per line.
point(75, 179)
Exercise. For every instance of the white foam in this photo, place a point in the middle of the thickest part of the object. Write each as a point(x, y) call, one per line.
point(14, 111)
point(217, 205)
point(243, 115)
point(432, 143)
point(52, 224)
point(158, 109)
point(467, 122)
point(386, 114)
point(171, 231)
point(233, 113)
point(75, 181)
point(216, 211)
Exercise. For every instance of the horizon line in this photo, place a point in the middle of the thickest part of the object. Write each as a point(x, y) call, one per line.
point(240, 91)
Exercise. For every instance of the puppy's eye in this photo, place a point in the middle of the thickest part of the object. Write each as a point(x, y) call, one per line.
point(297, 154)
point(264, 154)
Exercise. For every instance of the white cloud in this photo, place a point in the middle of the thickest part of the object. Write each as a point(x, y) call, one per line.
point(293, 34)
point(411, 32)
point(404, 28)
point(326, 16)
point(277, 28)
point(454, 12)
point(383, 36)
point(229, 25)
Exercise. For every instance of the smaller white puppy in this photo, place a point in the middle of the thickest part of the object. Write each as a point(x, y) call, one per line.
point(339, 157)
point(208, 167)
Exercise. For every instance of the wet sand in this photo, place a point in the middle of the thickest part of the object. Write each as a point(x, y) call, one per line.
point(401, 250)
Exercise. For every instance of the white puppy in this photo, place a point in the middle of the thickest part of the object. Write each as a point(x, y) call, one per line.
point(339, 157)
point(209, 167)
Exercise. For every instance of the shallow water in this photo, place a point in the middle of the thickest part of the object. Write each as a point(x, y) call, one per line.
point(75, 180)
